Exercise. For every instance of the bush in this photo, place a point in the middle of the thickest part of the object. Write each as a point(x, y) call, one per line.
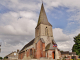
point(1, 58)
point(74, 59)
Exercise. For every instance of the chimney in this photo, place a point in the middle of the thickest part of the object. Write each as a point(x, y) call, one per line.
point(17, 50)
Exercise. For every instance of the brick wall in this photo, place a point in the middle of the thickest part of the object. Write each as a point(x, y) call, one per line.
point(40, 52)
point(26, 53)
point(76, 57)
point(36, 53)
point(21, 55)
point(44, 54)
point(18, 56)
point(69, 57)
point(50, 53)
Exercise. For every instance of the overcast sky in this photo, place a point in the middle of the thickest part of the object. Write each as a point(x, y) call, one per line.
point(18, 19)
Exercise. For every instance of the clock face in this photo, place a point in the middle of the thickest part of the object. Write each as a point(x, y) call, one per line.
point(14, 53)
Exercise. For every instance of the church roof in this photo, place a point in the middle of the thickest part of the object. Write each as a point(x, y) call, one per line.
point(50, 47)
point(10, 53)
point(42, 17)
point(27, 45)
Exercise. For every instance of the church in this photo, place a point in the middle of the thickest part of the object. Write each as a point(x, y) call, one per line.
point(43, 45)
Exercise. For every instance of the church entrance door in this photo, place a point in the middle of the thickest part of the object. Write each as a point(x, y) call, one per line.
point(53, 54)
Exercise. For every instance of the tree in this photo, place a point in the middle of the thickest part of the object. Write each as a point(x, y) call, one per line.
point(76, 46)
point(1, 58)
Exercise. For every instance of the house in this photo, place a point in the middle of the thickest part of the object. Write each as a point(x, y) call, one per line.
point(64, 53)
point(69, 55)
point(12, 55)
point(43, 45)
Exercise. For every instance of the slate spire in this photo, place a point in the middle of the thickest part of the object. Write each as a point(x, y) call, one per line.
point(42, 17)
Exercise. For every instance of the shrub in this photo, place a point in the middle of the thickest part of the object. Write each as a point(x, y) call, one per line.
point(1, 58)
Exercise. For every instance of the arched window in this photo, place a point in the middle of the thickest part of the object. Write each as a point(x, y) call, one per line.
point(46, 31)
point(30, 51)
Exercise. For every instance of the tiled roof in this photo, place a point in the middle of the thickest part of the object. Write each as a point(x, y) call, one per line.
point(27, 45)
point(64, 52)
point(10, 53)
point(50, 47)
point(42, 17)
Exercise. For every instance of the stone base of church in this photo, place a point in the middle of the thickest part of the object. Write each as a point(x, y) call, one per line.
point(40, 59)
point(52, 54)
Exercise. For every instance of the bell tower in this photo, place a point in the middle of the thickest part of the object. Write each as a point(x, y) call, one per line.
point(43, 28)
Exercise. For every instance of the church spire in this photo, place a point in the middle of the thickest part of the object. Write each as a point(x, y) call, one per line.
point(42, 17)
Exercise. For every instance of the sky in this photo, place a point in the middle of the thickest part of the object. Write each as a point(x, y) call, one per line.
point(18, 19)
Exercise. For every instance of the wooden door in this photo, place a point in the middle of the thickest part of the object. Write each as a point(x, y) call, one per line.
point(53, 55)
